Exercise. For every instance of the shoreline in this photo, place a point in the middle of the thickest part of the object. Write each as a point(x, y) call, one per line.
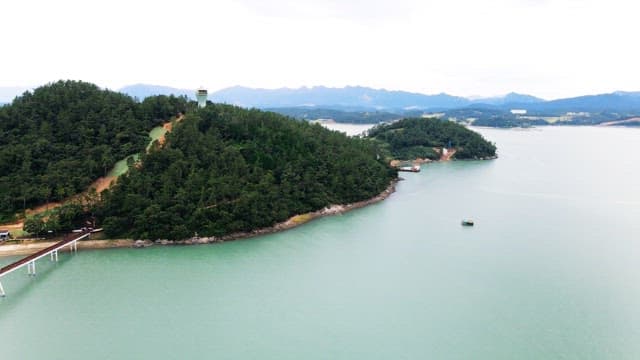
point(30, 247)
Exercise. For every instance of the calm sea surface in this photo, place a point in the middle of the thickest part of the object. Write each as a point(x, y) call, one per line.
point(550, 271)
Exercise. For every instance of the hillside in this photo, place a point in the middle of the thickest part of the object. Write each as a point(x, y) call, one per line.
point(413, 138)
point(225, 169)
point(61, 137)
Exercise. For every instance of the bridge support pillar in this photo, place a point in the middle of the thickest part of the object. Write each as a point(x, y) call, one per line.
point(31, 268)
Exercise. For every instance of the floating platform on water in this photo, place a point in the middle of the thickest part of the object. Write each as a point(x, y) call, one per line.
point(414, 168)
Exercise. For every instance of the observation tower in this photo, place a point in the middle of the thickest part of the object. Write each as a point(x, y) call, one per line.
point(201, 95)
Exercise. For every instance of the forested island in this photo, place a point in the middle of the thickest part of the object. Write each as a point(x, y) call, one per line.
point(413, 138)
point(221, 170)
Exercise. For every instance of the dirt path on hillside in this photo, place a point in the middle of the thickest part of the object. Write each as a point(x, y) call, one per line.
point(103, 183)
point(168, 126)
point(100, 185)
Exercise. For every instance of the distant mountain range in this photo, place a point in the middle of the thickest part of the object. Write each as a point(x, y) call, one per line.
point(358, 98)
point(510, 98)
point(364, 99)
point(618, 102)
point(347, 98)
point(354, 97)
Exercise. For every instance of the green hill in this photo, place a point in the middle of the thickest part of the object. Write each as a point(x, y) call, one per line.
point(221, 170)
point(61, 137)
point(416, 137)
point(225, 169)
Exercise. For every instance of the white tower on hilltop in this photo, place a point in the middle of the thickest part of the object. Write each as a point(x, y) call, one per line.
point(201, 95)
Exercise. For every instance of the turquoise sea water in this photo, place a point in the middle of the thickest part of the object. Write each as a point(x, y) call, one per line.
point(550, 271)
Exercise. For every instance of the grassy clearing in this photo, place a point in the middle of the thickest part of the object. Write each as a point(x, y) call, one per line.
point(121, 166)
point(155, 134)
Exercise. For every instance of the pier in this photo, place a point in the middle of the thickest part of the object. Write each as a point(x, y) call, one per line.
point(70, 240)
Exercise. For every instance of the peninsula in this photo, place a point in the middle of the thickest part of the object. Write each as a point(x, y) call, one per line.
point(220, 173)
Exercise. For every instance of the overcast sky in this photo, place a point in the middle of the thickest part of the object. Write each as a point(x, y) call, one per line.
point(547, 48)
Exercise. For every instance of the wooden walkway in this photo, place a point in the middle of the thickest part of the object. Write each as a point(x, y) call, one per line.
point(52, 251)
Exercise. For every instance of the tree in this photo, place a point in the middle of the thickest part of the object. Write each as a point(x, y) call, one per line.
point(34, 225)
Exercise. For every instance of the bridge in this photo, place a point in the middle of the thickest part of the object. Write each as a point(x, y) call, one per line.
point(70, 240)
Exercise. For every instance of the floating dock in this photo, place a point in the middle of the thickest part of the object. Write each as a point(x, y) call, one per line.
point(414, 168)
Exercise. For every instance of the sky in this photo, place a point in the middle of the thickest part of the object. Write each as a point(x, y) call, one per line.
point(547, 48)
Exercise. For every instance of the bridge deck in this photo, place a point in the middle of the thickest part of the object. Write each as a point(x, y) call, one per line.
point(44, 252)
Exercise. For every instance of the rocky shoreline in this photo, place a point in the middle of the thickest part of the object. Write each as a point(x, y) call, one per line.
point(297, 220)
point(292, 222)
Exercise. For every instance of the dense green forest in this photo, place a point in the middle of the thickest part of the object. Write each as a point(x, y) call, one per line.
point(416, 137)
point(227, 169)
point(223, 169)
point(59, 138)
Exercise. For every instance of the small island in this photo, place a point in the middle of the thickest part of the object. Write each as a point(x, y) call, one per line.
point(430, 139)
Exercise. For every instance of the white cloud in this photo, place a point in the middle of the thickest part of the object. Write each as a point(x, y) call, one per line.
point(548, 48)
point(358, 11)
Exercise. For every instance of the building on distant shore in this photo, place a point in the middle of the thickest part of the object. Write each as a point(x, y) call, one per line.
point(519, 111)
point(201, 95)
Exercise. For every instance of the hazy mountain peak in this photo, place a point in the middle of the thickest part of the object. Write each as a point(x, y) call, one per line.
point(362, 98)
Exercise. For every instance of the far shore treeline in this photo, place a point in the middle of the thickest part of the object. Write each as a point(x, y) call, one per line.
point(222, 169)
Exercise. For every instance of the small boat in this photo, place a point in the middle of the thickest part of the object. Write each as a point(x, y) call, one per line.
point(467, 222)
point(414, 168)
